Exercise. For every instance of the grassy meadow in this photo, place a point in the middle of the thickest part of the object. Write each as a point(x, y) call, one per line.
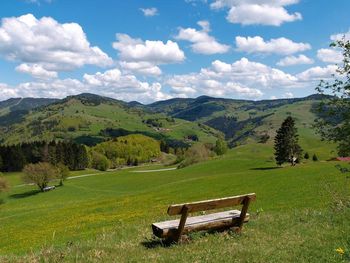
point(301, 213)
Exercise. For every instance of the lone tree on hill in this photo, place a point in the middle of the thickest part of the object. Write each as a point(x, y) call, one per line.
point(40, 174)
point(220, 147)
point(333, 122)
point(286, 146)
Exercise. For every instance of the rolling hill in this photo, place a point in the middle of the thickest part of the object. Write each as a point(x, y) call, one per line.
point(89, 118)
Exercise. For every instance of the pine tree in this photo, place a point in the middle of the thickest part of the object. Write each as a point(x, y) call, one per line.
point(314, 158)
point(286, 146)
point(306, 156)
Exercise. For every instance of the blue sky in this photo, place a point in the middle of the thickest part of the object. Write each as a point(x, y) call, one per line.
point(155, 50)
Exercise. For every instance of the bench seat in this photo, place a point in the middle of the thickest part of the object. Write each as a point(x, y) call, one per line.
point(197, 223)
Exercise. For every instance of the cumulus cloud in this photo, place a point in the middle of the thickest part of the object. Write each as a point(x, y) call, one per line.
point(330, 55)
point(258, 12)
point(295, 60)
point(340, 36)
point(288, 95)
point(317, 73)
point(144, 57)
point(242, 79)
point(127, 87)
point(7, 92)
point(47, 46)
point(202, 42)
point(112, 83)
point(282, 46)
point(55, 88)
point(149, 11)
point(36, 70)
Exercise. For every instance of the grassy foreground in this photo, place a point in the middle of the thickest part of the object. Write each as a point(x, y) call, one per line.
point(301, 214)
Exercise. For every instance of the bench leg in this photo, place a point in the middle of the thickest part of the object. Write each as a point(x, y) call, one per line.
point(182, 223)
point(244, 210)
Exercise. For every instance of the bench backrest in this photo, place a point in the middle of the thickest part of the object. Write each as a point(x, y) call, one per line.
point(210, 204)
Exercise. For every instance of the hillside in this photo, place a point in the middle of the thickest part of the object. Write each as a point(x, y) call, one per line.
point(244, 120)
point(106, 217)
point(14, 110)
point(89, 119)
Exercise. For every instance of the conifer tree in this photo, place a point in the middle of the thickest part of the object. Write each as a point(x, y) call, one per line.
point(286, 146)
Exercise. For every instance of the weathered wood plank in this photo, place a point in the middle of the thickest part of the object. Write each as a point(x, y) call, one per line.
point(210, 204)
point(182, 223)
point(197, 223)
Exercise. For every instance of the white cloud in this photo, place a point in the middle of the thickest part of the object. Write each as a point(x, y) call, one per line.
point(202, 42)
point(127, 87)
point(282, 46)
point(317, 73)
point(295, 60)
point(46, 44)
point(112, 83)
point(330, 55)
point(36, 70)
point(341, 36)
point(143, 68)
point(258, 12)
point(144, 57)
point(288, 95)
point(131, 49)
point(241, 79)
point(38, 1)
point(149, 11)
point(56, 88)
point(7, 92)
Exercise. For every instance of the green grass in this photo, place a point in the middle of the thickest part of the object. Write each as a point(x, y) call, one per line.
point(297, 216)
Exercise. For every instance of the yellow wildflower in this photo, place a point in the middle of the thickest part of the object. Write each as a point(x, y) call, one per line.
point(340, 251)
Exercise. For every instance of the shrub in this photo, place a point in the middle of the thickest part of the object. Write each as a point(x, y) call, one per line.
point(99, 161)
point(220, 147)
point(315, 158)
point(306, 156)
point(264, 138)
point(40, 174)
point(4, 186)
point(195, 154)
point(63, 172)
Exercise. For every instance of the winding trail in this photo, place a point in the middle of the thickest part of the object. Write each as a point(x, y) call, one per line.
point(157, 170)
point(124, 168)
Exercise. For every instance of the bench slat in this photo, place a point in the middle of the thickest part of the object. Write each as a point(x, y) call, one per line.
point(197, 223)
point(210, 204)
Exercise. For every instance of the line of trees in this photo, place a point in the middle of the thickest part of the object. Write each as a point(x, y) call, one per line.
point(15, 157)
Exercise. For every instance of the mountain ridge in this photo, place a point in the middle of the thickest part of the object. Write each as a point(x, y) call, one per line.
point(89, 118)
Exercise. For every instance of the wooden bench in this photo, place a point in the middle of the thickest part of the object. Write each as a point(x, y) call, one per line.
point(174, 229)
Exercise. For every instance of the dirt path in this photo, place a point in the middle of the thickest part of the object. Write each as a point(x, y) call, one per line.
point(157, 170)
point(109, 171)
